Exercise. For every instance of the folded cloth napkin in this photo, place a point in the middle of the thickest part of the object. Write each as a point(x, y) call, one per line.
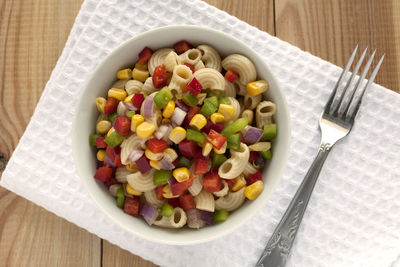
point(353, 215)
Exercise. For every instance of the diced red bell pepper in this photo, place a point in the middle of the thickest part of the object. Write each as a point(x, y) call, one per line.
point(137, 100)
point(216, 139)
point(112, 152)
point(160, 76)
point(100, 142)
point(230, 182)
point(188, 148)
point(182, 46)
point(190, 114)
point(174, 202)
point(104, 173)
point(194, 86)
point(175, 162)
point(187, 201)
point(110, 182)
point(201, 166)
point(143, 164)
point(159, 192)
point(157, 145)
point(178, 188)
point(117, 161)
point(111, 105)
point(212, 182)
point(191, 67)
point(254, 155)
point(131, 206)
point(231, 76)
point(252, 178)
point(145, 55)
point(122, 125)
point(242, 139)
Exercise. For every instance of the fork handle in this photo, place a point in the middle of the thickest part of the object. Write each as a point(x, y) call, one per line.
point(278, 248)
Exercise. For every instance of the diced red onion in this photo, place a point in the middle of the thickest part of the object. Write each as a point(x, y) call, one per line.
point(180, 104)
point(207, 217)
point(178, 116)
point(130, 106)
point(108, 161)
point(114, 188)
point(149, 213)
point(259, 162)
point(162, 130)
point(166, 164)
point(143, 164)
point(135, 154)
point(253, 135)
point(148, 107)
point(193, 219)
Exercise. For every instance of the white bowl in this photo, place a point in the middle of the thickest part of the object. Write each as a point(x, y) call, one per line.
point(101, 80)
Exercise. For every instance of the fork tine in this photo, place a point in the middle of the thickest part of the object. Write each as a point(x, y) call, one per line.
point(359, 82)
point(345, 70)
point(358, 65)
point(371, 79)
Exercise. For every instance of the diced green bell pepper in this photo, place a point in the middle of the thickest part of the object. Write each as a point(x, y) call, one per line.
point(162, 97)
point(113, 139)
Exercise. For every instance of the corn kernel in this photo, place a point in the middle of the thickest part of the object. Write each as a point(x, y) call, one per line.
point(222, 150)
point(101, 103)
point(128, 99)
point(217, 117)
point(249, 114)
point(103, 126)
point(167, 192)
point(169, 109)
point(140, 66)
point(198, 121)
point(227, 111)
point(124, 74)
point(130, 190)
point(110, 131)
point(117, 93)
point(257, 87)
point(170, 153)
point(152, 156)
point(165, 121)
point(240, 181)
point(207, 147)
point(155, 164)
point(145, 129)
point(137, 119)
point(254, 190)
point(201, 98)
point(132, 167)
point(101, 155)
point(181, 174)
point(140, 75)
point(177, 135)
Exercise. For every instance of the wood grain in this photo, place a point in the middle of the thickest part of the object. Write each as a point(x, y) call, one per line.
point(115, 256)
point(330, 29)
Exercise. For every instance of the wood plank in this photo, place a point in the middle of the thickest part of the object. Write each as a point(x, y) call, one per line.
point(115, 256)
point(258, 13)
point(32, 36)
point(331, 28)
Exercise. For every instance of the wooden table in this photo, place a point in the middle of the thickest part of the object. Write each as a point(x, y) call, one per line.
point(32, 36)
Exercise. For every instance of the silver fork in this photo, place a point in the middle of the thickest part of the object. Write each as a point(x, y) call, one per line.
point(335, 123)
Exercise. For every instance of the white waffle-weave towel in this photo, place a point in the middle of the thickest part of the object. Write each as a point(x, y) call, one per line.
point(353, 216)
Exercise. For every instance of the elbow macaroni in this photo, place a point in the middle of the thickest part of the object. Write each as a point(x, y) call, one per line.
point(129, 144)
point(133, 87)
point(237, 108)
point(141, 182)
point(151, 198)
point(205, 201)
point(177, 220)
point(121, 173)
point(210, 57)
point(224, 191)
point(264, 112)
point(235, 165)
point(251, 102)
point(181, 76)
point(193, 57)
point(231, 201)
point(242, 66)
point(170, 61)
point(249, 169)
point(210, 79)
point(196, 186)
point(158, 58)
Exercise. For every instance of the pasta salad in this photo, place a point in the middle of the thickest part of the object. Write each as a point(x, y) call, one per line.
point(182, 137)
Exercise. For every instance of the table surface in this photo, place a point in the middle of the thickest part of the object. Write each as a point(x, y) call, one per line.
point(32, 36)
